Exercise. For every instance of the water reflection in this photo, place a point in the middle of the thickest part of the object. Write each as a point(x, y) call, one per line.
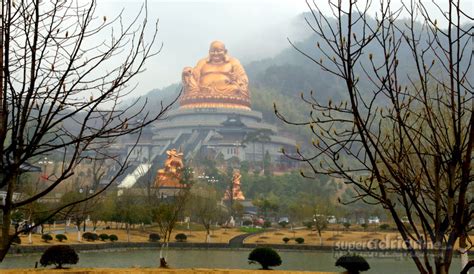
point(389, 263)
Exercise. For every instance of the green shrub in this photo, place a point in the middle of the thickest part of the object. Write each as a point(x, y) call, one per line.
point(346, 225)
point(180, 237)
point(250, 229)
point(46, 237)
point(103, 237)
point(353, 263)
point(61, 237)
point(299, 240)
point(286, 240)
point(247, 223)
point(384, 226)
point(283, 223)
point(59, 255)
point(154, 237)
point(113, 237)
point(308, 224)
point(265, 256)
point(364, 226)
point(89, 236)
point(267, 224)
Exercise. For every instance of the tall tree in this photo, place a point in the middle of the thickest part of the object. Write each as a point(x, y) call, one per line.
point(61, 89)
point(131, 209)
point(261, 136)
point(404, 137)
point(166, 214)
point(204, 206)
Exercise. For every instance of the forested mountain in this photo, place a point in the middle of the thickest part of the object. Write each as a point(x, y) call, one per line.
point(284, 77)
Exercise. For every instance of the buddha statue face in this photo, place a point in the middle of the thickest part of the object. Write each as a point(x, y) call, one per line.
point(217, 52)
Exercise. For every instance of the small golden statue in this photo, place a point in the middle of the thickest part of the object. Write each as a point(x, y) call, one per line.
point(170, 176)
point(237, 194)
point(217, 81)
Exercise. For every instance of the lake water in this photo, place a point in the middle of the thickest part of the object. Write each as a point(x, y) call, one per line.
point(390, 263)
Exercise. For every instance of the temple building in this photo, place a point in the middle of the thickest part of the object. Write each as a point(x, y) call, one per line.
point(215, 117)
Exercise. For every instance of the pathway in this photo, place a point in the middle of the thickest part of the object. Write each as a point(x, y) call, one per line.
point(238, 241)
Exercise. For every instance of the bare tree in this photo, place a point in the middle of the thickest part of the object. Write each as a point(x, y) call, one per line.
point(166, 215)
point(404, 137)
point(61, 90)
point(204, 205)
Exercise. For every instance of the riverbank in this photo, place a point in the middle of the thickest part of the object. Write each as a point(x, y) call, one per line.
point(222, 239)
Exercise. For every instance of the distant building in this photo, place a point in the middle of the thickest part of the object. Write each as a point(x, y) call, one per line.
point(214, 119)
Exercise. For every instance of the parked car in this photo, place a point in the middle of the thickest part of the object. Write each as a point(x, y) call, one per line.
point(374, 220)
point(344, 220)
point(284, 219)
point(258, 222)
point(331, 219)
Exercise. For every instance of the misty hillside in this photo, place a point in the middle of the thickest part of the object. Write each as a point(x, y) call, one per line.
point(282, 78)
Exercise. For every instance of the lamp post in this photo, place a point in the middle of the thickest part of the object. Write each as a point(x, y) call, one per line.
point(87, 192)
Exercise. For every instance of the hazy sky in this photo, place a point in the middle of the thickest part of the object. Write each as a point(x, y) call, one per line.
point(251, 30)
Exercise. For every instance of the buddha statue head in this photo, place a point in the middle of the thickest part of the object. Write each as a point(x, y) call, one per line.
point(217, 52)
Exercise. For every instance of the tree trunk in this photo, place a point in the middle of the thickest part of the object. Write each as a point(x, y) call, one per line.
point(254, 158)
point(128, 232)
point(79, 234)
point(464, 252)
point(208, 235)
point(5, 233)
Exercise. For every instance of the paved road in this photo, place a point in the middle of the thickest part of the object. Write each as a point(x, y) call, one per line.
point(238, 241)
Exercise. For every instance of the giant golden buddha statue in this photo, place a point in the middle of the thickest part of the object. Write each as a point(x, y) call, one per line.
point(218, 81)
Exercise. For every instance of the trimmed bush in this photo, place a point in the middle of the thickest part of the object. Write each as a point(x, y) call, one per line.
point(61, 237)
point(247, 223)
point(113, 237)
point(59, 255)
point(90, 237)
point(299, 240)
point(286, 240)
point(16, 240)
point(346, 225)
point(46, 237)
point(103, 237)
point(353, 263)
point(364, 226)
point(384, 226)
point(265, 256)
point(308, 224)
point(180, 237)
point(267, 224)
point(283, 223)
point(154, 237)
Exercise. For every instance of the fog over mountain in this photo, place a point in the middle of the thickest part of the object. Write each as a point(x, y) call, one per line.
point(251, 30)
